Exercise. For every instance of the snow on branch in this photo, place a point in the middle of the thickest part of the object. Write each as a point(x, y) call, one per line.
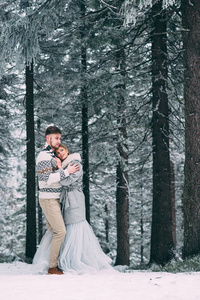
point(22, 34)
point(132, 9)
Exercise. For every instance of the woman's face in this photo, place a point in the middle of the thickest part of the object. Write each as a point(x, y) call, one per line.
point(62, 153)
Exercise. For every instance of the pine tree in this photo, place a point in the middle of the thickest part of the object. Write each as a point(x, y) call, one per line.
point(161, 237)
point(191, 39)
point(31, 186)
point(85, 117)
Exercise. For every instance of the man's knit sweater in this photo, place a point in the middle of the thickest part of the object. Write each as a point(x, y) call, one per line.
point(46, 167)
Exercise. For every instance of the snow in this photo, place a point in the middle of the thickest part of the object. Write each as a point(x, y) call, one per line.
point(17, 281)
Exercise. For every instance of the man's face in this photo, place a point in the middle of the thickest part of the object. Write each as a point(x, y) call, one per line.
point(54, 140)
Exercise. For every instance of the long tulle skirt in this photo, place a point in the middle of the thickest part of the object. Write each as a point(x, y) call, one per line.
point(80, 251)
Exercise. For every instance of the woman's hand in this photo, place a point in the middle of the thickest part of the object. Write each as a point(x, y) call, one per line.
point(72, 169)
point(58, 161)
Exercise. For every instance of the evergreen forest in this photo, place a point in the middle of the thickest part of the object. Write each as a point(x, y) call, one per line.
point(120, 78)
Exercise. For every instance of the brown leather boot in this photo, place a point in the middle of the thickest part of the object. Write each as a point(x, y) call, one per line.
point(55, 270)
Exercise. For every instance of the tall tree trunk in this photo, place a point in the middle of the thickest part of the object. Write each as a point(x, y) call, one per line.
point(161, 234)
point(39, 209)
point(122, 195)
point(191, 199)
point(107, 248)
point(173, 203)
point(31, 196)
point(142, 227)
point(84, 99)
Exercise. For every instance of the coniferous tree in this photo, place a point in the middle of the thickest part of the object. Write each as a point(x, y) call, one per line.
point(39, 209)
point(162, 244)
point(122, 193)
point(84, 101)
point(31, 187)
point(191, 200)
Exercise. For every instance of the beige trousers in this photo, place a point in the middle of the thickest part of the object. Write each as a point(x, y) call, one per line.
point(51, 209)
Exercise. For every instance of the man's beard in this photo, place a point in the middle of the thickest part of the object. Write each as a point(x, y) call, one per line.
point(54, 147)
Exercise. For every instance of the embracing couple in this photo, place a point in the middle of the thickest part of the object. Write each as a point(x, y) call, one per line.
point(69, 244)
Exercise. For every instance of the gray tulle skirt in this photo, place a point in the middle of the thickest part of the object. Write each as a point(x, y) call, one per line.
point(80, 251)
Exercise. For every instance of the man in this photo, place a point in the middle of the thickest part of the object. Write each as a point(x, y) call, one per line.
point(49, 194)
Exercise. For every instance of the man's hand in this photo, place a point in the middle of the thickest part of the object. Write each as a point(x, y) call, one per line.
point(72, 169)
point(59, 165)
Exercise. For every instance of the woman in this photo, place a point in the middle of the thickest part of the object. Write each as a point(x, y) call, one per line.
point(80, 251)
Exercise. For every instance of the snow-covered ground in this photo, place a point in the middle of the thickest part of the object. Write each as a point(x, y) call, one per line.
point(17, 282)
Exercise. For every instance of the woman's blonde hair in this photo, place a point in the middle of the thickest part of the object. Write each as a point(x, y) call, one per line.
point(62, 146)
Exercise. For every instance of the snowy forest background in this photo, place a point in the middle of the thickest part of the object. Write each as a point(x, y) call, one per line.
point(89, 65)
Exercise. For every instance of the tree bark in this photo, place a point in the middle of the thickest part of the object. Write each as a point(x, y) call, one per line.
point(191, 198)
point(122, 195)
point(85, 131)
point(173, 203)
point(31, 188)
point(162, 244)
point(39, 209)
point(142, 227)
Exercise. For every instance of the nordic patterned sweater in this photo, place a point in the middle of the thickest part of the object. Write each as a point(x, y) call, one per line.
point(46, 167)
